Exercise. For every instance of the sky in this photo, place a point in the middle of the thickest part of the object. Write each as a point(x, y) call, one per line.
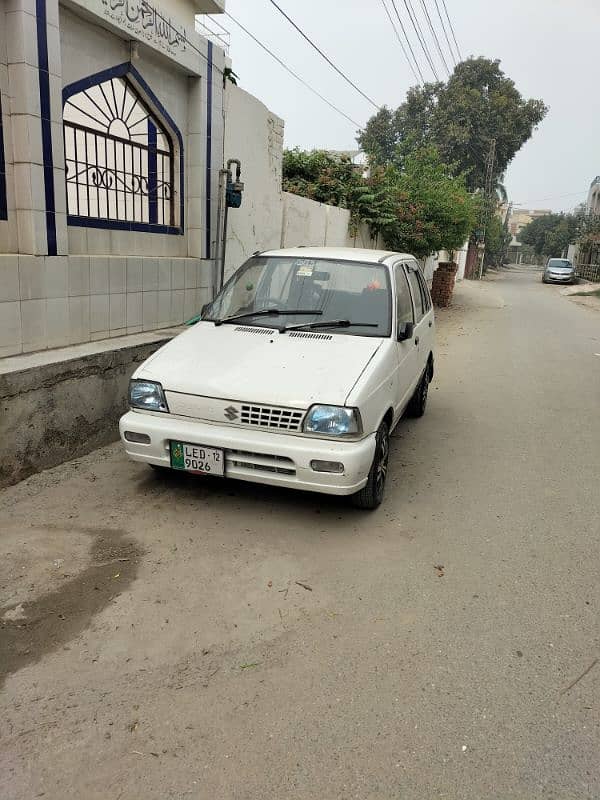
point(548, 47)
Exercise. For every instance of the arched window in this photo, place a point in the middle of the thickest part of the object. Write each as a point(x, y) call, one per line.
point(119, 159)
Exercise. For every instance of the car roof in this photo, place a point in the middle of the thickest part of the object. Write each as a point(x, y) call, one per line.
point(362, 255)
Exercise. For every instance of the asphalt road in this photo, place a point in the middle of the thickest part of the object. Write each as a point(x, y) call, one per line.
point(216, 640)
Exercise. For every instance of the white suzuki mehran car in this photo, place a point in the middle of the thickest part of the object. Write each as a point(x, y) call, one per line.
point(295, 376)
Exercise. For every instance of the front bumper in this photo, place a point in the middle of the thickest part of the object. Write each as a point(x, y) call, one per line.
point(560, 278)
point(258, 456)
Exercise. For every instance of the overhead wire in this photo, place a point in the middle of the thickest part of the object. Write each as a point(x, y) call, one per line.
point(419, 34)
point(460, 58)
point(414, 72)
point(558, 196)
point(291, 72)
point(434, 35)
point(407, 39)
point(439, 13)
point(323, 55)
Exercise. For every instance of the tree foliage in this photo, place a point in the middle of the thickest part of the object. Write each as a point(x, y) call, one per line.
point(432, 209)
point(335, 180)
point(421, 209)
point(460, 118)
point(551, 234)
point(497, 239)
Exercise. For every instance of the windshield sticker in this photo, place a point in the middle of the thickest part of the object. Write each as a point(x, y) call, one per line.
point(306, 270)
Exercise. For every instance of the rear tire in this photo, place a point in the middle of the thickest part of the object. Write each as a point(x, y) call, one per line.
point(371, 495)
point(418, 402)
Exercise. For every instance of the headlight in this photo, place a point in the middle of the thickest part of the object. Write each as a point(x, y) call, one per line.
point(332, 421)
point(148, 395)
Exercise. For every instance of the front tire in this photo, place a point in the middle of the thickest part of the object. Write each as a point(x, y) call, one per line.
point(418, 402)
point(371, 495)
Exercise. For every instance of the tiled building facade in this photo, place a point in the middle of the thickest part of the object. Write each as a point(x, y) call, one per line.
point(110, 148)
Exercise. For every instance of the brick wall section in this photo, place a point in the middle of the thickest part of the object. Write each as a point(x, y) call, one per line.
point(443, 284)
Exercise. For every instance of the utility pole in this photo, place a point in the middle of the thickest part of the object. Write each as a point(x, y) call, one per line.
point(487, 198)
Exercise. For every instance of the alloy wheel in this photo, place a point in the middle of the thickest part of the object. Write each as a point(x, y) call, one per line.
point(382, 464)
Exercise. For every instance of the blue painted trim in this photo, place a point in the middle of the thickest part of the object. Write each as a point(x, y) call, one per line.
point(122, 71)
point(152, 174)
point(121, 225)
point(3, 201)
point(44, 83)
point(209, 104)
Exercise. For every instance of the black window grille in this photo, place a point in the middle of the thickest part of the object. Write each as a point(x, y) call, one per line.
point(3, 203)
point(119, 160)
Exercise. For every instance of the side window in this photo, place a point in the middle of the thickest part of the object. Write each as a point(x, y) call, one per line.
point(425, 296)
point(416, 293)
point(403, 302)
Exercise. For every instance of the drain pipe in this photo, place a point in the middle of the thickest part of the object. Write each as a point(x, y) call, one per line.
point(230, 196)
point(221, 232)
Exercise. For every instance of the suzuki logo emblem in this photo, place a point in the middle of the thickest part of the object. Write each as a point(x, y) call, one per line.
point(231, 413)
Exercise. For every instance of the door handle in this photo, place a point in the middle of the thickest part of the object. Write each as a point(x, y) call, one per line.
point(416, 340)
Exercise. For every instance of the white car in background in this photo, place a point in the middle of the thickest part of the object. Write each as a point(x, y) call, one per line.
point(295, 376)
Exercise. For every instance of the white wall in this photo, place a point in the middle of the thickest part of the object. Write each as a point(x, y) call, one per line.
point(304, 222)
point(255, 136)
point(270, 218)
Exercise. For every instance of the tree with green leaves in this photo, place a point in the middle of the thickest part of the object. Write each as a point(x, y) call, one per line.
point(551, 234)
point(432, 208)
point(460, 117)
point(497, 239)
point(335, 180)
point(420, 210)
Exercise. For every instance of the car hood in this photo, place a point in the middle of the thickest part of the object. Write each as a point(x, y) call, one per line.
point(561, 270)
point(260, 365)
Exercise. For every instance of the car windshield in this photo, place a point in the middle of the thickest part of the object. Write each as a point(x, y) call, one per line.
point(559, 262)
point(318, 290)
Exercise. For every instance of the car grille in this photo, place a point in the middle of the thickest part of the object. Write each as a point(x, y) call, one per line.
point(259, 462)
point(283, 419)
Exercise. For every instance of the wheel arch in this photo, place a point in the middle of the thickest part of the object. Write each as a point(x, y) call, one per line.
point(388, 418)
point(430, 368)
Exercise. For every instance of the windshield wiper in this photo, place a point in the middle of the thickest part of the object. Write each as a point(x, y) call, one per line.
point(267, 312)
point(331, 323)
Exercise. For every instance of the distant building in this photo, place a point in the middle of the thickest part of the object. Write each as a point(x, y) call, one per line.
point(520, 217)
point(592, 205)
point(357, 157)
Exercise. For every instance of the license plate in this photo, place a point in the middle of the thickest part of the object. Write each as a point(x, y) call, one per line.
point(197, 458)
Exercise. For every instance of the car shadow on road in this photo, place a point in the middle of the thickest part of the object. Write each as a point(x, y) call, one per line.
point(222, 492)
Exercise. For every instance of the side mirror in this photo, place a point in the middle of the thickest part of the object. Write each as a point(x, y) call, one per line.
point(405, 331)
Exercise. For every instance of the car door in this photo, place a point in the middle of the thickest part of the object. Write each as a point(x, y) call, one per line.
point(427, 341)
point(421, 332)
point(407, 351)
